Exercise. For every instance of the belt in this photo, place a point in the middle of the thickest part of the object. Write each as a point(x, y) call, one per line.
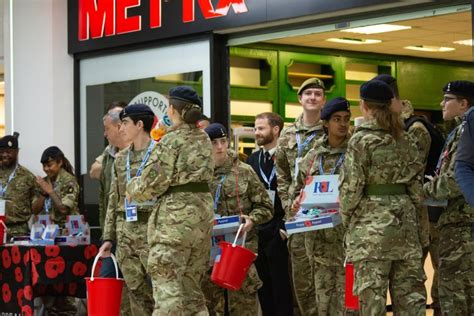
point(385, 189)
point(189, 187)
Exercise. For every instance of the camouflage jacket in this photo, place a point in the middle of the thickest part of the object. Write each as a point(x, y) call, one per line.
point(380, 227)
point(18, 198)
point(444, 186)
point(116, 199)
point(67, 189)
point(287, 154)
point(108, 159)
point(327, 244)
point(249, 197)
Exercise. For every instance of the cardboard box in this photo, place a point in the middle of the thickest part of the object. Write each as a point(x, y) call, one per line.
point(226, 225)
point(321, 192)
point(44, 220)
point(305, 224)
point(73, 240)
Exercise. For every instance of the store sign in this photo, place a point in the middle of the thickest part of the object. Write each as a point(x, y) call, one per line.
point(157, 102)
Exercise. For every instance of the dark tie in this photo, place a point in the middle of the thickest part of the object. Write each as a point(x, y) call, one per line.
point(267, 157)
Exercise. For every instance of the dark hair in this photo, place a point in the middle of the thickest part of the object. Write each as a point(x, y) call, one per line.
point(54, 153)
point(190, 113)
point(386, 118)
point(273, 119)
point(115, 104)
point(146, 119)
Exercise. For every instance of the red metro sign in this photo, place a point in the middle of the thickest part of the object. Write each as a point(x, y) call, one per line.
point(99, 18)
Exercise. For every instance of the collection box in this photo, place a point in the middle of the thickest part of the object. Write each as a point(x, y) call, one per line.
point(304, 224)
point(226, 225)
point(321, 192)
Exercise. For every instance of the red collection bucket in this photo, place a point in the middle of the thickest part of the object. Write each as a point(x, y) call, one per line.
point(3, 230)
point(352, 301)
point(104, 295)
point(232, 263)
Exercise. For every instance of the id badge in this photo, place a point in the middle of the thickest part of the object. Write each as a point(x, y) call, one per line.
point(2, 207)
point(271, 195)
point(131, 214)
point(297, 169)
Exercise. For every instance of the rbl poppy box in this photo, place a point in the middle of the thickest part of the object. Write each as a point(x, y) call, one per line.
point(226, 225)
point(306, 224)
point(321, 192)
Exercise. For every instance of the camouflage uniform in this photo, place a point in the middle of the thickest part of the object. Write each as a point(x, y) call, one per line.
point(456, 244)
point(382, 238)
point(179, 228)
point(325, 247)
point(130, 237)
point(107, 160)
point(67, 189)
point(19, 197)
point(249, 197)
point(285, 159)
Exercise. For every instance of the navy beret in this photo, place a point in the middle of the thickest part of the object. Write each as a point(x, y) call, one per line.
point(376, 91)
point(9, 141)
point(216, 130)
point(333, 106)
point(385, 78)
point(186, 94)
point(461, 88)
point(136, 110)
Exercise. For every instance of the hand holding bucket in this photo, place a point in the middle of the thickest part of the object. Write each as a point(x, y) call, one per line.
point(232, 264)
point(104, 295)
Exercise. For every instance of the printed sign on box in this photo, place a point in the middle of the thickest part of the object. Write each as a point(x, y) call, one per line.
point(305, 224)
point(321, 192)
point(226, 225)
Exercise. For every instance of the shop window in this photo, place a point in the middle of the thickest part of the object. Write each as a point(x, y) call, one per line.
point(249, 72)
point(293, 110)
point(298, 72)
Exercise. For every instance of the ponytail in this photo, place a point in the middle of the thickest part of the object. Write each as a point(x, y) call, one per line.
point(386, 118)
point(190, 113)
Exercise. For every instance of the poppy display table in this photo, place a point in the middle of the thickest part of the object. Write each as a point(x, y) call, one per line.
point(27, 272)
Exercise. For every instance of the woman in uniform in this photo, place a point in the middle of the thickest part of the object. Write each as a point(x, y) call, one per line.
point(325, 247)
point(380, 192)
point(178, 173)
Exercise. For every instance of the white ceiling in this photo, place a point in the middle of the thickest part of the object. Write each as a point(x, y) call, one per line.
point(434, 31)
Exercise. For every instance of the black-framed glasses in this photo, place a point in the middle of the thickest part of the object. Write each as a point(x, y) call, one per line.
point(447, 99)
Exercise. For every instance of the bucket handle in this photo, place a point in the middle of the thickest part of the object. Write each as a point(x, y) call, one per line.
point(237, 236)
point(96, 259)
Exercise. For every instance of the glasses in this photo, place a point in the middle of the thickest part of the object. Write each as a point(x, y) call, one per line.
point(447, 99)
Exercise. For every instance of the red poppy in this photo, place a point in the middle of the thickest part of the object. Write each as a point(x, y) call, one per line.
point(26, 258)
point(308, 224)
point(35, 256)
point(28, 292)
point(26, 310)
point(19, 297)
point(52, 251)
point(18, 274)
point(53, 267)
point(6, 259)
point(16, 255)
point(72, 289)
point(79, 269)
point(34, 274)
point(90, 251)
point(59, 287)
point(6, 293)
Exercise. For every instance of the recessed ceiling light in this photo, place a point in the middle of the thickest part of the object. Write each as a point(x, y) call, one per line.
point(378, 28)
point(467, 42)
point(428, 48)
point(356, 41)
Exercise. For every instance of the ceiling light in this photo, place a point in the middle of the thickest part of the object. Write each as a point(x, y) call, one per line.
point(357, 41)
point(432, 49)
point(467, 42)
point(378, 28)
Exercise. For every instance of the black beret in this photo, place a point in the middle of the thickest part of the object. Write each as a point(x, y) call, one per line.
point(333, 106)
point(461, 88)
point(311, 83)
point(216, 130)
point(9, 141)
point(385, 78)
point(186, 94)
point(376, 91)
point(136, 110)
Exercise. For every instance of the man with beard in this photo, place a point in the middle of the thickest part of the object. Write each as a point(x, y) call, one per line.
point(17, 187)
point(272, 262)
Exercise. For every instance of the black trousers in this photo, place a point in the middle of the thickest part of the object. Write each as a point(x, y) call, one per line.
point(275, 295)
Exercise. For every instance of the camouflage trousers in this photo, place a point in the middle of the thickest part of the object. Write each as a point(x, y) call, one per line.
point(132, 254)
point(433, 249)
point(180, 241)
point(406, 279)
point(60, 305)
point(329, 284)
point(302, 275)
point(240, 303)
point(456, 271)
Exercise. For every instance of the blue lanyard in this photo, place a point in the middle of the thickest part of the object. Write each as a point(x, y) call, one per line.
point(47, 201)
point(264, 177)
point(145, 158)
point(441, 157)
point(338, 164)
point(302, 146)
point(3, 189)
point(217, 196)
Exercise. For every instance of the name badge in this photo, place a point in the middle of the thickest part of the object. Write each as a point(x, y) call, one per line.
point(271, 195)
point(297, 168)
point(2, 207)
point(131, 213)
